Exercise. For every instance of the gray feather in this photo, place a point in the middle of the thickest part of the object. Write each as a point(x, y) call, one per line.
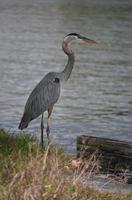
point(44, 95)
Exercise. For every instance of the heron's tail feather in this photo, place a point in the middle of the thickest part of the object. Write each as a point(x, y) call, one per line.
point(22, 125)
point(24, 122)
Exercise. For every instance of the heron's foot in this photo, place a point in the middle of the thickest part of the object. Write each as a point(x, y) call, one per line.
point(48, 133)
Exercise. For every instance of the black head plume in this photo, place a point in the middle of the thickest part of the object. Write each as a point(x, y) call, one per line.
point(73, 34)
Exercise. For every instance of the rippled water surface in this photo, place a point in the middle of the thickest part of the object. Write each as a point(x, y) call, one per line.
point(97, 99)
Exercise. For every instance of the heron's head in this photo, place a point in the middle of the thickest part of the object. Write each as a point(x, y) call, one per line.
point(79, 38)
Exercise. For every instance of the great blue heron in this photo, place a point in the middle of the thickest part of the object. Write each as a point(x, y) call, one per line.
point(47, 91)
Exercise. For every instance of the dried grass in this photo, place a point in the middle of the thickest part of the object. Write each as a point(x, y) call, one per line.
point(37, 174)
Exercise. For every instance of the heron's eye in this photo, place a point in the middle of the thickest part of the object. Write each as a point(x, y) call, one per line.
point(56, 80)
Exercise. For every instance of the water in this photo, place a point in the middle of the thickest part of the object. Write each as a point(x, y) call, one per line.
point(97, 99)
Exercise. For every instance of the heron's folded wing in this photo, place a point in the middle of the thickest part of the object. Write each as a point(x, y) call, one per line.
point(45, 95)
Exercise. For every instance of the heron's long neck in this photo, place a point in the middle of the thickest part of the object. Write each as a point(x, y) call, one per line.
point(65, 74)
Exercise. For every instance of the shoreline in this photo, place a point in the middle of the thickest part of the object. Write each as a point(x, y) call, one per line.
point(50, 173)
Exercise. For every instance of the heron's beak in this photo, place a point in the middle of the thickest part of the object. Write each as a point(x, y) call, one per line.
point(84, 40)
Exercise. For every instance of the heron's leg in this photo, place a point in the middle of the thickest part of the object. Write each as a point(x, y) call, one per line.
point(42, 130)
point(48, 123)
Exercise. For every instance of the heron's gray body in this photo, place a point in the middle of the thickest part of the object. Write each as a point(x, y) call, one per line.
point(44, 96)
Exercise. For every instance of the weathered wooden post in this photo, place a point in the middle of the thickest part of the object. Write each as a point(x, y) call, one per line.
point(114, 155)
